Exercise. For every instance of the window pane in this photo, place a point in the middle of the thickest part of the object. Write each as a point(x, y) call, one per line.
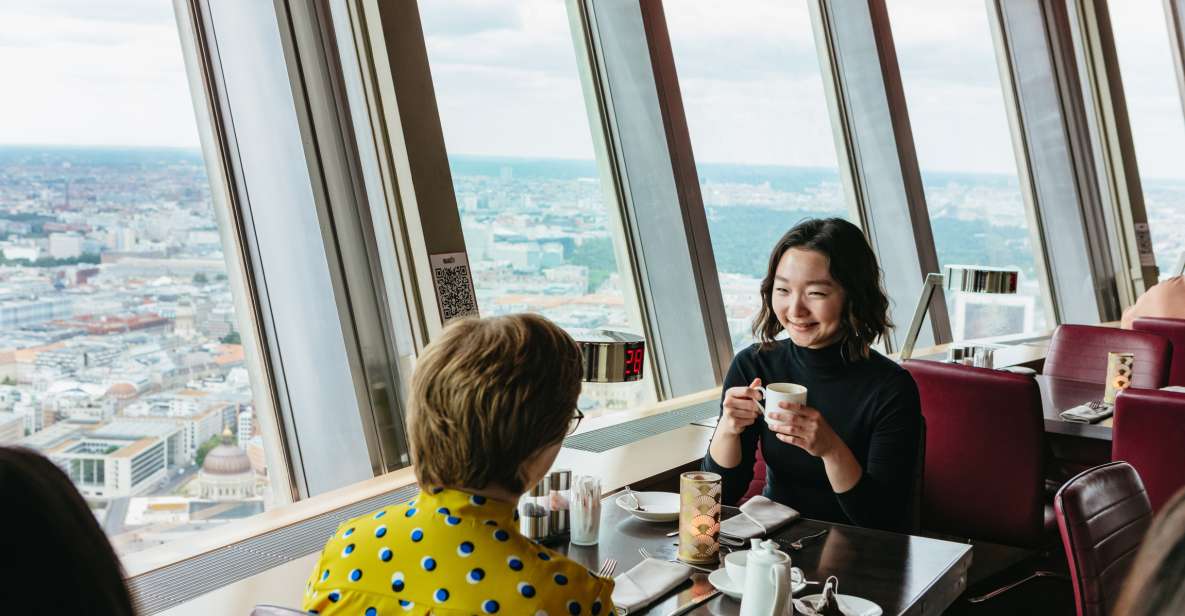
point(123, 359)
point(762, 137)
point(1157, 123)
point(964, 148)
point(536, 221)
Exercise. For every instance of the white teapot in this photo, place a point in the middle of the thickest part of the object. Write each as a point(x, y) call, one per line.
point(767, 581)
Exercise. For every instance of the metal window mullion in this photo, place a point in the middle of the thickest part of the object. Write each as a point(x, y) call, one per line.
point(645, 156)
point(1057, 160)
point(333, 162)
point(864, 89)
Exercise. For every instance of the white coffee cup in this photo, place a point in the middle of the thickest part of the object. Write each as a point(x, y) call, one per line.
point(776, 393)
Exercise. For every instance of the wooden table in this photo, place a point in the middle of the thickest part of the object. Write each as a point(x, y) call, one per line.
point(901, 573)
point(1058, 394)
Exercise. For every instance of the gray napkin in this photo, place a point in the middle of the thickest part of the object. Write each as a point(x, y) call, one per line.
point(768, 515)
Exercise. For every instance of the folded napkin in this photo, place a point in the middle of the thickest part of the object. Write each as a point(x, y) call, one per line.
point(1088, 413)
point(646, 582)
point(768, 515)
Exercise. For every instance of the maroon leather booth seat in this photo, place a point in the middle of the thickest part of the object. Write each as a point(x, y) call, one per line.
point(757, 484)
point(1079, 352)
point(984, 453)
point(1174, 331)
point(1149, 434)
point(1103, 514)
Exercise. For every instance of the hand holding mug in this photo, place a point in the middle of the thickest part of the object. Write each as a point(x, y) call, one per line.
point(740, 407)
point(802, 426)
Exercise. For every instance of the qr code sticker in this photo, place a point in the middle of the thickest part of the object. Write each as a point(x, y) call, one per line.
point(454, 286)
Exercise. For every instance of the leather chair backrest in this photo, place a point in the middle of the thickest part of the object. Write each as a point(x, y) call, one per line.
point(1079, 352)
point(757, 484)
point(1102, 513)
point(275, 610)
point(1149, 434)
point(1174, 331)
point(984, 453)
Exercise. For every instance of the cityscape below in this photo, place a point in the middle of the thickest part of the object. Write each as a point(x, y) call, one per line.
point(120, 349)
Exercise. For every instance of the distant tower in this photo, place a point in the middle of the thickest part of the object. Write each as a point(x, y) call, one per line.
point(246, 426)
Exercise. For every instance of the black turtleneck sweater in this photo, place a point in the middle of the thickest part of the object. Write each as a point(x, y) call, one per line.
point(872, 404)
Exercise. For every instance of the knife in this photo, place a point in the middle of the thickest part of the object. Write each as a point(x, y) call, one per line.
point(695, 603)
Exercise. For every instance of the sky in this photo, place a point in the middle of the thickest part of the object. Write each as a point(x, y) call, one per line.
point(110, 72)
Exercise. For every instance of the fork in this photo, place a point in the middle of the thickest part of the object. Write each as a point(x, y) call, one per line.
point(607, 568)
point(797, 544)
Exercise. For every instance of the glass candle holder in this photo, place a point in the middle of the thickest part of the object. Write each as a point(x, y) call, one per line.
point(1119, 374)
point(699, 517)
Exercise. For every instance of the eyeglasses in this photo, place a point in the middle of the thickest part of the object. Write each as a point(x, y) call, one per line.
point(574, 422)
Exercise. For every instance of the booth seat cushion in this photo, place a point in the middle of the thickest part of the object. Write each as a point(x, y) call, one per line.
point(1079, 352)
point(1174, 331)
point(1149, 434)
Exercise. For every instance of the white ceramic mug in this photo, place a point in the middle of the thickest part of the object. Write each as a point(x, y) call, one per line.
point(776, 393)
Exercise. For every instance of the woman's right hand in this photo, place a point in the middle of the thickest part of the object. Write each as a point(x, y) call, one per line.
point(740, 408)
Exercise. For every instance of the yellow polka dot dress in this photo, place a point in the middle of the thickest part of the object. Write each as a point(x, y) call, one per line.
point(450, 553)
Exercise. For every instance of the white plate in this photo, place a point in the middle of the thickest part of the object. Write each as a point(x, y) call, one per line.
point(659, 506)
point(719, 578)
point(851, 605)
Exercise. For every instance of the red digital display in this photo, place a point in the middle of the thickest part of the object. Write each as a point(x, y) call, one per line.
point(633, 361)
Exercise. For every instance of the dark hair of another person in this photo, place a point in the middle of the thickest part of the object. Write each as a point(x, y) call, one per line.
point(1156, 583)
point(59, 559)
point(852, 264)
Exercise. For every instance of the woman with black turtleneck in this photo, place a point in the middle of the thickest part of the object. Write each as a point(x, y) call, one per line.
point(848, 454)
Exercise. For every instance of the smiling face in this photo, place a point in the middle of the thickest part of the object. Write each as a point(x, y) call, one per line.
point(807, 301)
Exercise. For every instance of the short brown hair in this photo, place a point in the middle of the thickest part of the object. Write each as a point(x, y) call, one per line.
point(1154, 584)
point(852, 264)
point(487, 395)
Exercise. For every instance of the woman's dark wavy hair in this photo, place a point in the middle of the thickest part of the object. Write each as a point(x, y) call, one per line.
point(852, 264)
point(63, 562)
point(1156, 583)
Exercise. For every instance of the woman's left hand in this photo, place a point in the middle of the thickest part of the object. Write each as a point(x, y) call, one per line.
point(805, 427)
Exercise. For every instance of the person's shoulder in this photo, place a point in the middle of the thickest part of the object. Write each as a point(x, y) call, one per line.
point(571, 587)
point(883, 366)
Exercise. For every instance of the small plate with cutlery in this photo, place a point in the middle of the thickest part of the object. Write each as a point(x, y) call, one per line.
point(650, 506)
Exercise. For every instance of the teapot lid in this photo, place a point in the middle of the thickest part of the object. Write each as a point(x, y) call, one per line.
point(766, 550)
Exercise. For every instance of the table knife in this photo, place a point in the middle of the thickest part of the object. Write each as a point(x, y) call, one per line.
point(695, 603)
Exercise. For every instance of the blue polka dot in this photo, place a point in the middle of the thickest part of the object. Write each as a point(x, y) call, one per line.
point(477, 500)
point(443, 510)
point(476, 575)
point(405, 604)
point(452, 520)
point(355, 575)
point(491, 523)
point(380, 514)
point(490, 607)
point(325, 575)
point(370, 611)
point(561, 579)
point(385, 554)
point(409, 513)
point(544, 556)
point(574, 608)
point(513, 562)
point(417, 534)
point(380, 531)
point(501, 535)
point(428, 563)
point(441, 595)
point(465, 549)
point(349, 531)
point(526, 590)
point(349, 549)
point(335, 596)
point(596, 607)
point(397, 582)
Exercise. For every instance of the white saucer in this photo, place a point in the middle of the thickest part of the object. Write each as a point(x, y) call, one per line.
point(850, 604)
point(719, 578)
point(659, 506)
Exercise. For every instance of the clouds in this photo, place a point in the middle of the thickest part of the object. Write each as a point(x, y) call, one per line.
point(93, 73)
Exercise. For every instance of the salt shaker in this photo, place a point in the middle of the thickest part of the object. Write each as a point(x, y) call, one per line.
point(532, 512)
point(561, 485)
